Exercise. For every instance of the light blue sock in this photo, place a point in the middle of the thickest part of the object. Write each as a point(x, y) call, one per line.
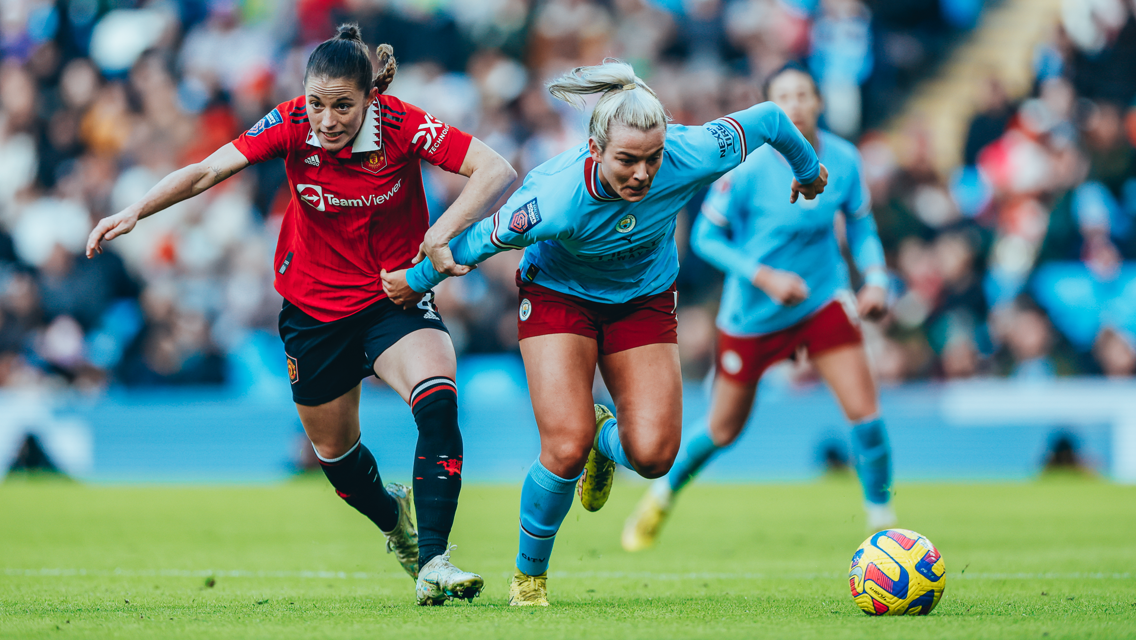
point(609, 444)
point(872, 454)
point(694, 455)
point(545, 500)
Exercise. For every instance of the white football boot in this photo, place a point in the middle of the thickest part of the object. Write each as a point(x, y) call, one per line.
point(439, 580)
point(403, 540)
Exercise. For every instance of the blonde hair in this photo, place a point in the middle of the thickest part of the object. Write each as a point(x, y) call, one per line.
point(626, 99)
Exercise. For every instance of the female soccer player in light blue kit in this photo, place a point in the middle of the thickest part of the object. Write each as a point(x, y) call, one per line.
point(597, 287)
point(787, 288)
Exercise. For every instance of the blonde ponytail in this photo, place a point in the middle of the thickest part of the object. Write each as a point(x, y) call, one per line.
point(626, 99)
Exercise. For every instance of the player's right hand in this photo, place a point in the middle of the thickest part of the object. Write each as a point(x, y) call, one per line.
point(784, 287)
point(812, 189)
point(398, 289)
point(437, 247)
point(110, 228)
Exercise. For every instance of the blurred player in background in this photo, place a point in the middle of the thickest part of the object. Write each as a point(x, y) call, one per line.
point(597, 287)
point(787, 290)
point(358, 208)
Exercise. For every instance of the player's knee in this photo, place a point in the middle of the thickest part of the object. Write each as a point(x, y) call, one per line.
point(654, 467)
point(861, 409)
point(655, 459)
point(330, 448)
point(725, 435)
point(566, 458)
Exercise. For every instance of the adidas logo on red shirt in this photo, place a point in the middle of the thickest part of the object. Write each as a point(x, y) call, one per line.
point(313, 160)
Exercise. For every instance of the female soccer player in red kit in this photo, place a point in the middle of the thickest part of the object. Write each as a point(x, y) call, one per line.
point(358, 210)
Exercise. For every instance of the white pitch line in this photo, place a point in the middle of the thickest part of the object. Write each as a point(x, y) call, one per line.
point(611, 575)
point(645, 575)
point(197, 573)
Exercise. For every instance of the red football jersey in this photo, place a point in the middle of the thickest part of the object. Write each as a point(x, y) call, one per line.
point(356, 212)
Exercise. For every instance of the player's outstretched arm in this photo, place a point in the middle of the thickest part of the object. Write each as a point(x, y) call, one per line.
point(472, 246)
point(500, 232)
point(766, 123)
point(489, 175)
point(810, 176)
point(179, 185)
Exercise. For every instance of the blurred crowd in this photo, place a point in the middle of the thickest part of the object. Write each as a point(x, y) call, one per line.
point(100, 99)
point(1016, 263)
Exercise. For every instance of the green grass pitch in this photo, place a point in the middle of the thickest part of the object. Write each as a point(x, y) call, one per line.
point(1052, 558)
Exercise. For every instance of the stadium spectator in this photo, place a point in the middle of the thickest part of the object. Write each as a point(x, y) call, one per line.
point(86, 127)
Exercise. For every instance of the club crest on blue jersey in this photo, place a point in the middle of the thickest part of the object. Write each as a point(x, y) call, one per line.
point(267, 122)
point(525, 218)
point(625, 224)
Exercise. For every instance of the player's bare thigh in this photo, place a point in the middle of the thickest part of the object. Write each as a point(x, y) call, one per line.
point(845, 370)
point(333, 427)
point(560, 368)
point(421, 354)
point(646, 384)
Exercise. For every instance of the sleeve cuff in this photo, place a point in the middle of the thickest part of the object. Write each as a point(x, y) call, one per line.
point(877, 278)
point(812, 175)
point(418, 279)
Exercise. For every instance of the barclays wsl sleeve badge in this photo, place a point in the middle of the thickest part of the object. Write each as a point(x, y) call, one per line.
point(525, 218)
point(270, 120)
point(375, 161)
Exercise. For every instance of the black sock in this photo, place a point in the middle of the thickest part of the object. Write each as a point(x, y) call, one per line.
point(437, 463)
point(355, 477)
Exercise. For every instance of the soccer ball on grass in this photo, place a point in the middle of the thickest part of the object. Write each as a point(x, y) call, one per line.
point(897, 572)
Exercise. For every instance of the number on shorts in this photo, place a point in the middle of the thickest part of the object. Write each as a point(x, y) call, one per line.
point(426, 304)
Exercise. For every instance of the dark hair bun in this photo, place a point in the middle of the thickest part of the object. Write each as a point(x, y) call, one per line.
point(345, 56)
point(349, 31)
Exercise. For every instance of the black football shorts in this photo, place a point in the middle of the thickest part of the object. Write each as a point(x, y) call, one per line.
point(327, 359)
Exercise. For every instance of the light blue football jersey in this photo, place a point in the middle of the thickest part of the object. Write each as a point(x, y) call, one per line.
point(747, 221)
point(582, 241)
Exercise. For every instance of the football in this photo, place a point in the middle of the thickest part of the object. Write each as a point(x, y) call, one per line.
point(897, 572)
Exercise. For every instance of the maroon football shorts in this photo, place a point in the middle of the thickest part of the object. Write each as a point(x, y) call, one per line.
point(744, 360)
point(614, 327)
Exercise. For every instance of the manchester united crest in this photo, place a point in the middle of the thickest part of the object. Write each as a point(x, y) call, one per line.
point(293, 370)
point(375, 161)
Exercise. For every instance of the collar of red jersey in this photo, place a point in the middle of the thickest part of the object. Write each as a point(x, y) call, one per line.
point(369, 138)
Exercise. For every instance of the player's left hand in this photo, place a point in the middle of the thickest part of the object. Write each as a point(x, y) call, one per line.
point(812, 189)
point(437, 247)
point(871, 303)
point(398, 290)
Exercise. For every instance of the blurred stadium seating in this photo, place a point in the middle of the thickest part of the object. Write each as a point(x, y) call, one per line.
point(998, 140)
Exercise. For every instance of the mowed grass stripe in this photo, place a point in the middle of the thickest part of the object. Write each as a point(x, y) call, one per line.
point(1052, 558)
point(613, 575)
